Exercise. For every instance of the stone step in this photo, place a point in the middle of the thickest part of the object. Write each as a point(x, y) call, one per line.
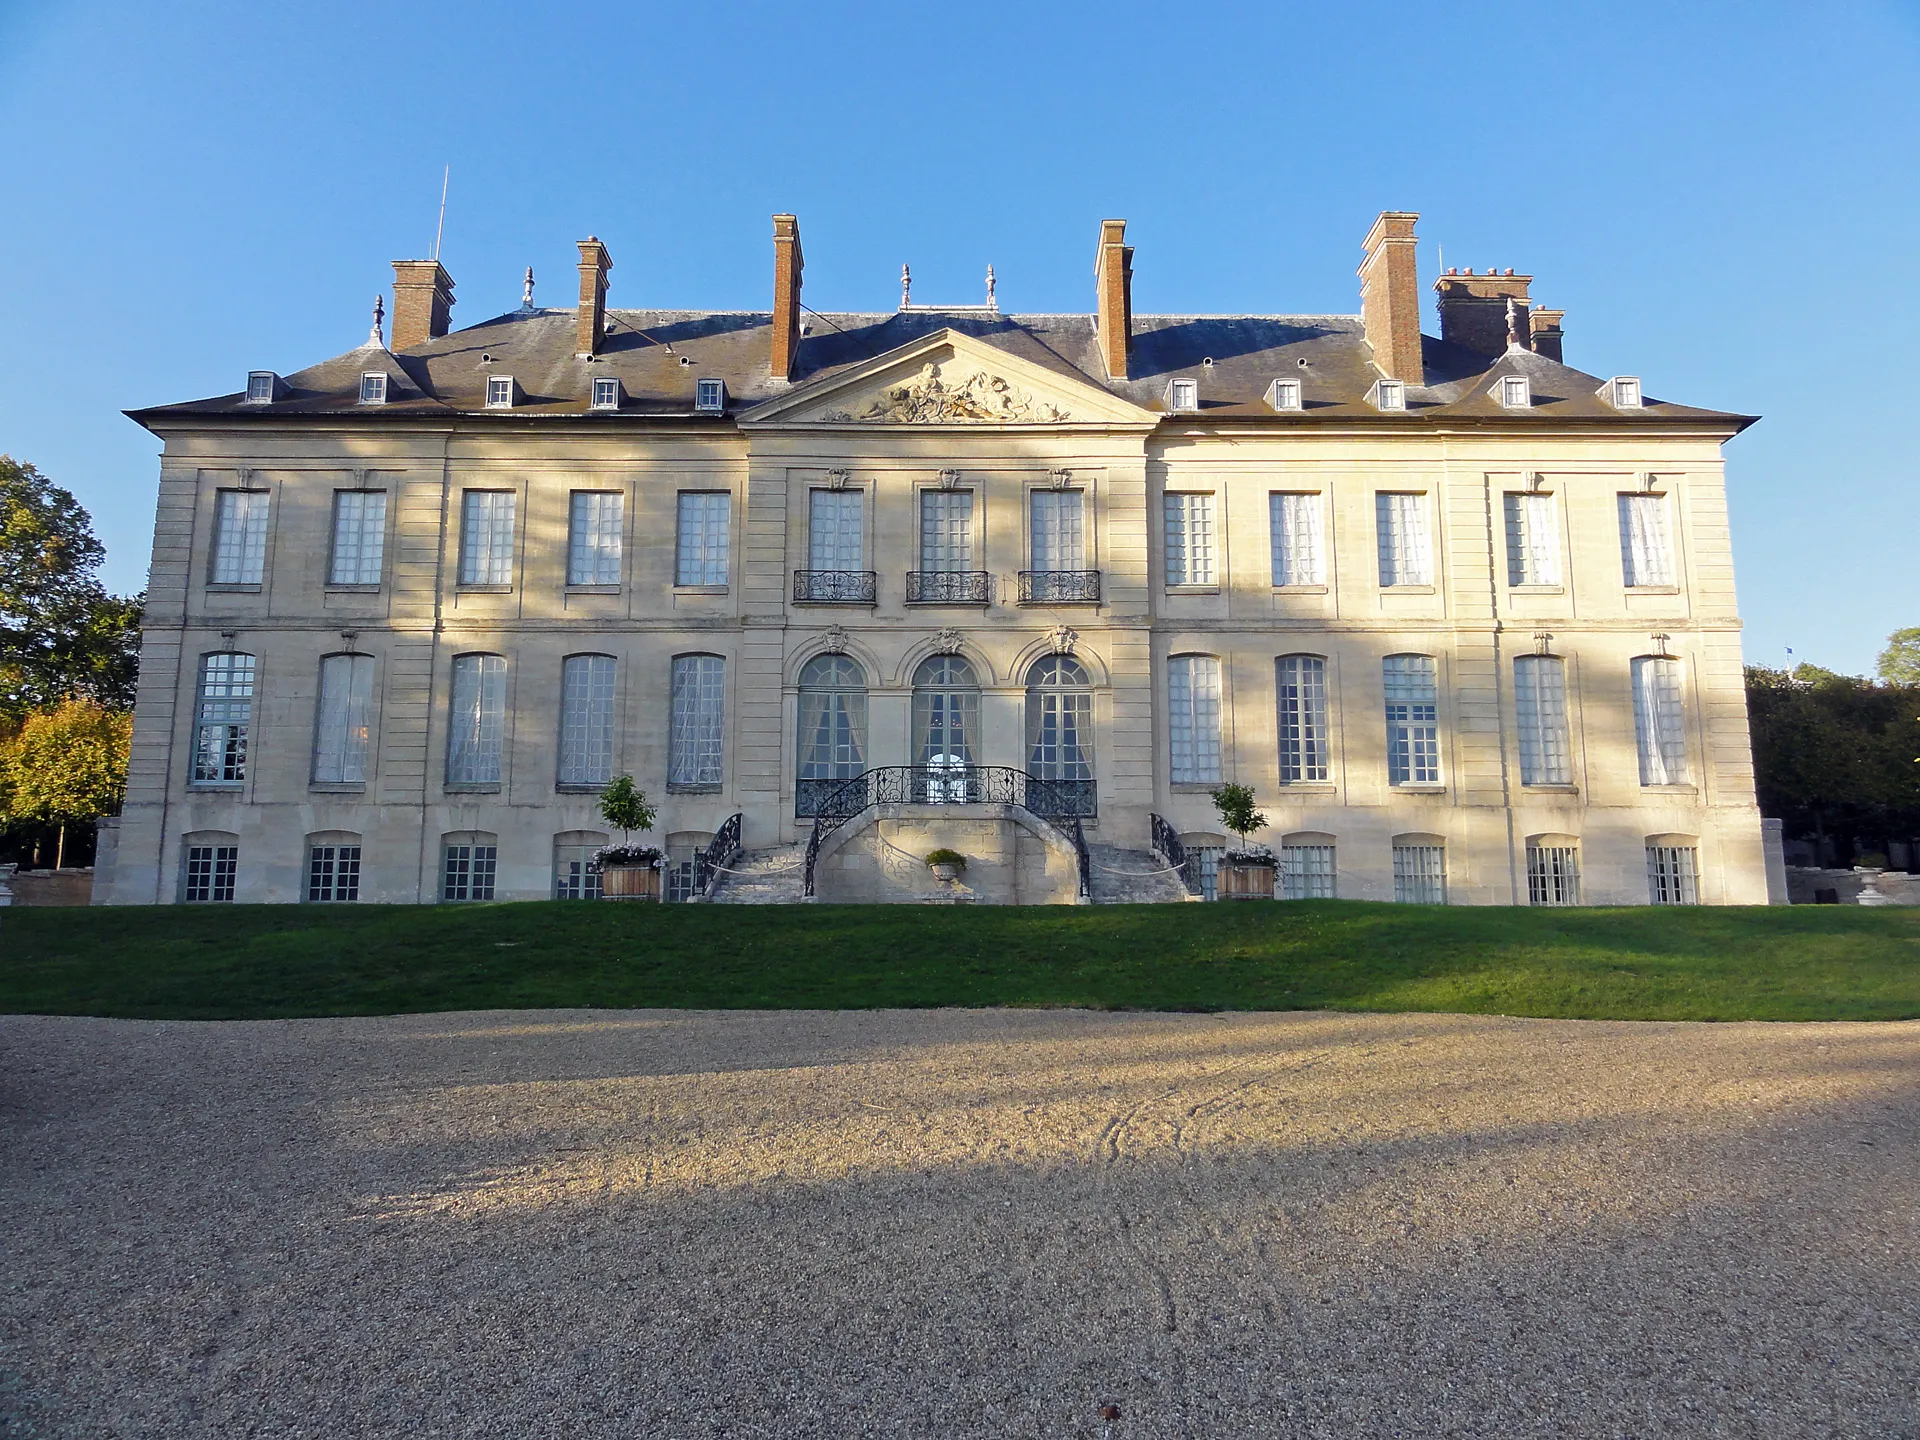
point(1133, 877)
point(773, 876)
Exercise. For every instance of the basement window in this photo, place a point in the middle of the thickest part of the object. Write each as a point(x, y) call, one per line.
point(263, 387)
point(1389, 395)
point(1516, 393)
point(1623, 392)
point(606, 392)
point(373, 388)
point(500, 390)
point(1183, 395)
point(1284, 395)
point(709, 396)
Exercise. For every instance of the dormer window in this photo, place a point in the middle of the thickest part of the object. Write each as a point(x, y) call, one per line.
point(1284, 395)
point(373, 388)
point(263, 387)
point(1516, 393)
point(1389, 395)
point(1183, 395)
point(1623, 392)
point(709, 396)
point(500, 390)
point(606, 392)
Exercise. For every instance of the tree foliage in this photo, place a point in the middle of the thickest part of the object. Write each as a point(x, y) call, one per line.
point(66, 765)
point(1899, 663)
point(1834, 754)
point(624, 806)
point(1235, 804)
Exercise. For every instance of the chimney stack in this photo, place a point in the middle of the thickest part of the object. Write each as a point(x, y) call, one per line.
point(590, 320)
point(1390, 296)
point(788, 262)
point(422, 298)
point(1113, 293)
point(1547, 334)
point(1473, 309)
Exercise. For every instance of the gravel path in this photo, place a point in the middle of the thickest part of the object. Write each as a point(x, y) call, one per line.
point(957, 1224)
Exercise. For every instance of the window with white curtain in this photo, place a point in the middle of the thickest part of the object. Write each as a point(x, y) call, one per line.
point(1413, 720)
point(1057, 530)
point(223, 715)
point(946, 713)
point(1420, 874)
point(1298, 550)
point(1646, 558)
point(946, 530)
point(1673, 875)
point(1193, 718)
point(1059, 720)
point(699, 715)
point(1553, 873)
point(1659, 720)
point(343, 730)
point(1533, 550)
point(1301, 684)
point(836, 538)
point(477, 722)
point(239, 537)
point(833, 718)
point(1406, 551)
point(1306, 872)
point(586, 720)
point(594, 526)
point(702, 550)
point(1540, 701)
point(1189, 539)
point(359, 537)
point(486, 537)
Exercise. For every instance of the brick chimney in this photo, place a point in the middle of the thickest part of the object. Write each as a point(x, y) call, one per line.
point(590, 320)
point(788, 262)
point(1113, 293)
point(1390, 296)
point(422, 298)
point(1547, 334)
point(1473, 309)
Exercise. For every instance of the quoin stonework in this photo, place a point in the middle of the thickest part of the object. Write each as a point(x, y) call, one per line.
point(1028, 586)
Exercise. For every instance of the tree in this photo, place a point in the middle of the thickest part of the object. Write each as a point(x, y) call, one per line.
point(61, 633)
point(624, 806)
point(66, 766)
point(1899, 663)
point(1235, 804)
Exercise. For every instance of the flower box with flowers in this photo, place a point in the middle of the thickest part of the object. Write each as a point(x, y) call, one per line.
point(629, 872)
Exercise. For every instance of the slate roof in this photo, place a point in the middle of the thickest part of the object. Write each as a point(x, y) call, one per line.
point(659, 354)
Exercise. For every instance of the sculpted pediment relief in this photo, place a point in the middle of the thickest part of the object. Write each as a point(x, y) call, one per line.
point(947, 393)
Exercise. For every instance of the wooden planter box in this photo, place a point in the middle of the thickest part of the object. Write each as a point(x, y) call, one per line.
point(1244, 882)
point(629, 882)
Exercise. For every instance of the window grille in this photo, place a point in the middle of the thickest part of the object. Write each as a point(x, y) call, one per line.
point(1059, 720)
point(709, 396)
point(1183, 395)
point(468, 872)
point(333, 873)
point(594, 524)
point(1193, 718)
point(1297, 545)
point(486, 537)
point(946, 712)
point(1533, 557)
point(373, 388)
point(1659, 721)
point(606, 393)
point(1673, 875)
point(344, 728)
point(1420, 874)
point(833, 726)
point(1301, 683)
point(500, 392)
point(946, 531)
point(576, 874)
point(1626, 392)
point(1645, 556)
point(1406, 555)
point(223, 714)
point(1540, 700)
point(1306, 872)
point(835, 532)
point(702, 550)
point(359, 537)
point(1553, 874)
point(1189, 539)
point(1057, 534)
point(240, 537)
point(1389, 395)
point(260, 385)
point(586, 720)
point(478, 720)
point(1515, 393)
point(1413, 720)
point(699, 700)
point(210, 873)
point(1284, 395)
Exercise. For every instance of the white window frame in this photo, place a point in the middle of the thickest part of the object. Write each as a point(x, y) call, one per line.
point(1057, 529)
point(1515, 392)
point(1624, 392)
point(1183, 395)
point(1673, 874)
point(223, 719)
point(489, 521)
point(220, 876)
point(1389, 396)
point(1404, 539)
point(1196, 707)
point(1300, 692)
point(606, 392)
point(1286, 395)
point(477, 722)
point(333, 872)
point(1646, 551)
point(357, 550)
point(1412, 698)
point(1660, 719)
point(709, 396)
point(469, 869)
point(832, 534)
point(1296, 530)
point(265, 380)
point(1533, 539)
point(502, 392)
point(596, 537)
point(696, 737)
point(1419, 874)
point(343, 720)
point(946, 540)
point(1309, 871)
point(1553, 873)
point(702, 539)
point(1190, 538)
point(373, 387)
point(240, 517)
point(588, 697)
point(1540, 709)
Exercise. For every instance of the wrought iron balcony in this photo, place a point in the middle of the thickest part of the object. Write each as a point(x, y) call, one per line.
point(949, 587)
point(1059, 587)
point(835, 587)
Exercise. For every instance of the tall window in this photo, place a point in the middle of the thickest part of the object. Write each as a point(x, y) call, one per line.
point(223, 713)
point(833, 719)
point(239, 537)
point(1645, 556)
point(1540, 698)
point(486, 537)
point(467, 867)
point(333, 872)
point(344, 726)
point(1533, 551)
point(209, 873)
point(1413, 721)
point(1057, 530)
point(1298, 550)
point(1306, 872)
point(359, 537)
point(477, 725)
point(946, 712)
point(586, 720)
point(1659, 721)
point(1673, 875)
point(699, 708)
point(1553, 872)
point(946, 530)
point(702, 551)
point(1406, 552)
point(593, 538)
point(835, 531)
point(1189, 539)
point(1193, 718)
point(1301, 683)
point(1059, 720)
point(1419, 874)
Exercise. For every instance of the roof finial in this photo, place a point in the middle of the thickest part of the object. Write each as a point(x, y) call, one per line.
point(1513, 325)
point(374, 337)
point(992, 304)
point(906, 287)
point(526, 291)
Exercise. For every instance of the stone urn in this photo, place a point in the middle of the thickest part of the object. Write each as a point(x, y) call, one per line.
point(629, 882)
point(947, 866)
point(1245, 878)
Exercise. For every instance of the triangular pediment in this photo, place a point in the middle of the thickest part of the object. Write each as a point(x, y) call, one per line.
point(948, 379)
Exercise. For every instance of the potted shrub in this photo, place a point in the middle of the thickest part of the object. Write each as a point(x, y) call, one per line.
point(1246, 871)
point(946, 865)
point(628, 871)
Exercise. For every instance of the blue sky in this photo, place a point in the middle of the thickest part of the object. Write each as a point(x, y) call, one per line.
point(1722, 197)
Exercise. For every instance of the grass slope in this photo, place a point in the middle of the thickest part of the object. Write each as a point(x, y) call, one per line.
point(269, 961)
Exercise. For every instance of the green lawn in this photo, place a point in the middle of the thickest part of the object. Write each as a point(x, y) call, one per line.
point(234, 962)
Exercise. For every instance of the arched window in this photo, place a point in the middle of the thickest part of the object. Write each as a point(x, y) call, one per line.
point(223, 714)
point(343, 730)
point(1193, 718)
point(1553, 870)
point(694, 743)
point(1059, 719)
point(946, 718)
point(832, 743)
point(478, 720)
point(1300, 682)
point(586, 719)
point(1413, 720)
point(333, 867)
point(1540, 701)
point(1659, 720)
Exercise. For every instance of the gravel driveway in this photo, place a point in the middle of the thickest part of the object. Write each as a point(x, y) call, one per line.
point(957, 1224)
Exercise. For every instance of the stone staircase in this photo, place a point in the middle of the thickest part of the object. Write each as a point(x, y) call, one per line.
point(773, 876)
point(1132, 877)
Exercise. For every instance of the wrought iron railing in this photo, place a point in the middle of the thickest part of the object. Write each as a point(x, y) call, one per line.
point(1059, 587)
point(949, 587)
point(721, 851)
point(1166, 844)
point(835, 587)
